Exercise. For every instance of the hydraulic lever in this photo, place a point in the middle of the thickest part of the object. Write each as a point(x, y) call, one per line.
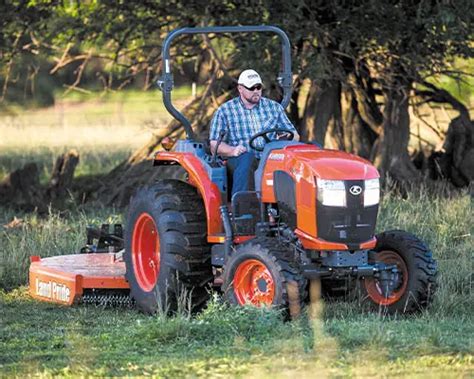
point(222, 134)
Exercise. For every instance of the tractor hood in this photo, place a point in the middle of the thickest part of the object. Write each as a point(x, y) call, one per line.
point(328, 164)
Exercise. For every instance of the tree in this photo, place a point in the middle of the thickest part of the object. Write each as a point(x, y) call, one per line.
point(356, 63)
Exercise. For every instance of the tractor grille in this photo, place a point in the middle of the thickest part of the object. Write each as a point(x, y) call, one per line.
point(350, 225)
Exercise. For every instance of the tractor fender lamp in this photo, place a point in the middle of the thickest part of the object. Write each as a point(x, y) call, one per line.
point(167, 143)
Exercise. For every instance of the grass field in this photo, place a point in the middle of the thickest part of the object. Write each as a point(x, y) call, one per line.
point(38, 339)
point(103, 129)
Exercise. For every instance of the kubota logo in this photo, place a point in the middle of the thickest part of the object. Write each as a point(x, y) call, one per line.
point(355, 190)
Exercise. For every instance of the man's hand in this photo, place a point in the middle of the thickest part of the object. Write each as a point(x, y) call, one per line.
point(283, 136)
point(238, 150)
point(226, 150)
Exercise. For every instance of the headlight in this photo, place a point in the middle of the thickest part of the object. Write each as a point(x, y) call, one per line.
point(372, 192)
point(331, 192)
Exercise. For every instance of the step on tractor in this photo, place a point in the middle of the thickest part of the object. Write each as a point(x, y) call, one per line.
point(311, 216)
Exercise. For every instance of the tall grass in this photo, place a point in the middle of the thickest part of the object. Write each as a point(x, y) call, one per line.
point(54, 234)
point(345, 340)
point(445, 224)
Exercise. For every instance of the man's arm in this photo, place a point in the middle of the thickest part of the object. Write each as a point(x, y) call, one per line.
point(286, 123)
point(226, 150)
point(219, 125)
point(296, 136)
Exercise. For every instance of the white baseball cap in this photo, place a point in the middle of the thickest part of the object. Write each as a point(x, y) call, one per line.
point(249, 78)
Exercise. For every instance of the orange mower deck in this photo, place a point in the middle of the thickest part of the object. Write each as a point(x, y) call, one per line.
point(63, 279)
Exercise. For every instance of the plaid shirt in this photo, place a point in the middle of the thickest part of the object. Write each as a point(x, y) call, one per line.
point(241, 123)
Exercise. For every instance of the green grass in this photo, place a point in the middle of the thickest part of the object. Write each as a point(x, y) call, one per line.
point(44, 339)
point(92, 161)
point(103, 128)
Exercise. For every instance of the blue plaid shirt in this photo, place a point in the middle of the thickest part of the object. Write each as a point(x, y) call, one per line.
point(241, 123)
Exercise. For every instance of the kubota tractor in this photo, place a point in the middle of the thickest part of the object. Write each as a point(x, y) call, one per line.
point(312, 215)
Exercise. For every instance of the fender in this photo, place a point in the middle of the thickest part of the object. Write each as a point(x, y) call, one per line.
point(197, 178)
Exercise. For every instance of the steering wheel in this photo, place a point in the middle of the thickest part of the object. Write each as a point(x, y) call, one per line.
point(266, 137)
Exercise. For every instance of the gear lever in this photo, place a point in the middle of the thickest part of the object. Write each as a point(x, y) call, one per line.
point(222, 134)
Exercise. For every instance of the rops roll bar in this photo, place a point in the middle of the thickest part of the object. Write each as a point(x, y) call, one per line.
point(165, 83)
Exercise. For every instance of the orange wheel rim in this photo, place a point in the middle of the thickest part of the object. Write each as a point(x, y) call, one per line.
point(146, 252)
point(253, 283)
point(373, 287)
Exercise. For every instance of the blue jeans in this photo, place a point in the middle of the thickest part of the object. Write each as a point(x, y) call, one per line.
point(242, 169)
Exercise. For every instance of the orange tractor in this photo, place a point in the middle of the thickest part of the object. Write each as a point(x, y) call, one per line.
point(312, 216)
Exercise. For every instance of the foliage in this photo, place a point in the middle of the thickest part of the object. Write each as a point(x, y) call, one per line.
point(330, 39)
point(360, 58)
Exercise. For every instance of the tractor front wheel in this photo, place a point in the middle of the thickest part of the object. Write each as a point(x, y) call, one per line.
point(417, 270)
point(260, 272)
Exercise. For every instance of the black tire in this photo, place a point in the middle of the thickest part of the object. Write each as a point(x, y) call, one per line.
point(176, 211)
point(278, 260)
point(418, 274)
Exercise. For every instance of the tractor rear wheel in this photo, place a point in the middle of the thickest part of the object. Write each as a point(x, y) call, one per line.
point(417, 274)
point(166, 252)
point(259, 273)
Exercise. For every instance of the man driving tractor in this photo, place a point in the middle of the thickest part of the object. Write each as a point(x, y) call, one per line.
point(312, 216)
point(237, 120)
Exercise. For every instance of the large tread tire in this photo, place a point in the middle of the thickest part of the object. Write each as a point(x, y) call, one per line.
point(419, 271)
point(177, 212)
point(279, 261)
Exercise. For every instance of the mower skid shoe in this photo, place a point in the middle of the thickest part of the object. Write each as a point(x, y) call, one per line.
point(64, 279)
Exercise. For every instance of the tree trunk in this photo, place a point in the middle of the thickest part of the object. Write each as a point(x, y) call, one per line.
point(293, 107)
point(364, 93)
point(391, 153)
point(456, 161)
point(321, 106)
point(358, 136)
point(459, 150)
point(21, 189)
point(335, 136)
point(61, 178)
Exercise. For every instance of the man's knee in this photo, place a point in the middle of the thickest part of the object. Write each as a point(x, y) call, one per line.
point(242, 169)
point(246, 160)
point(243, 162)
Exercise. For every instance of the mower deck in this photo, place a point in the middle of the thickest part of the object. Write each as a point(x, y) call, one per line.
point(63, 279)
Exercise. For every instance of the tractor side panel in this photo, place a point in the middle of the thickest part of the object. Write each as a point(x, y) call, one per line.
point(305, 188)
point(198, 178)
point(285, 192)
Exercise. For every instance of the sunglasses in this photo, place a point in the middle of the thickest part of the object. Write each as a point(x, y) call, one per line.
point(257, 87)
